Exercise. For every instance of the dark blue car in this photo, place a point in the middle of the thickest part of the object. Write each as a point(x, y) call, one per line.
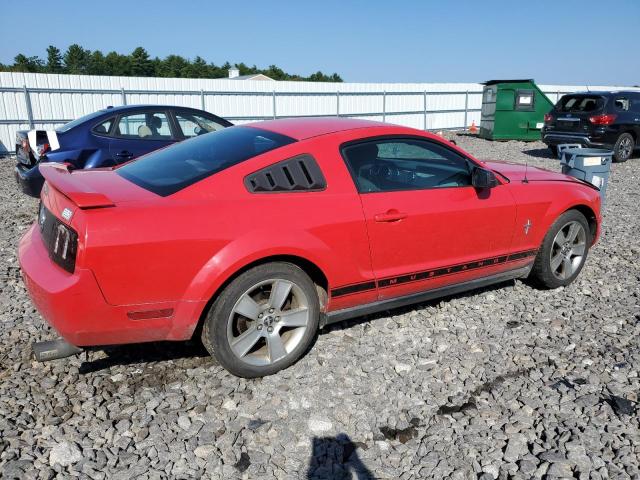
point(108, 137)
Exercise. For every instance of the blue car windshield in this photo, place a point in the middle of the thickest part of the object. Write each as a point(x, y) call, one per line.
point(170, 169)
point(78, 121)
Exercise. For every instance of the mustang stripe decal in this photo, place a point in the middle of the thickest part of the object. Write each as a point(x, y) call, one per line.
point(355, 288)
point(427, 274)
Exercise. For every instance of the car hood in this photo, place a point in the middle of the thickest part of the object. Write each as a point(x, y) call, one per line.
point(518, 172)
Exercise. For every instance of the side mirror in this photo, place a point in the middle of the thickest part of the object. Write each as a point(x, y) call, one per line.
point(482, 178)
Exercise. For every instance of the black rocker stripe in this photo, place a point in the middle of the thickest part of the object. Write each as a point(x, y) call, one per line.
point(355, 288)
point(427, 274)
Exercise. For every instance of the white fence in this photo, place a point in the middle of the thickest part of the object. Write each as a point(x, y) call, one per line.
point(45, 101)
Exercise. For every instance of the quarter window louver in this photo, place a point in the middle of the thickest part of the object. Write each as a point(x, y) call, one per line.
point(296, 174)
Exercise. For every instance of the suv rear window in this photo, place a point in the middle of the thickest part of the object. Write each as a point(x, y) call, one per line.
point(580, 103)
point(171, 169)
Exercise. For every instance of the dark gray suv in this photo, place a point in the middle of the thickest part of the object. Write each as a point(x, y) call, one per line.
point(596, 119)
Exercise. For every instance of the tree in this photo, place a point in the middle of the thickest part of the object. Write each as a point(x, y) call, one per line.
point(141, 65)
point(22, 63)
point(97, 64)
point(198, 68)
point(54, 59)
point(77, 59)
point(275, 72)
point(173, 66)
point(116, 64)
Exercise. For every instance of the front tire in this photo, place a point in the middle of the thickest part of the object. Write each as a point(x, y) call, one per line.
point(623, 148)
point(263, 321)
point(563, 252)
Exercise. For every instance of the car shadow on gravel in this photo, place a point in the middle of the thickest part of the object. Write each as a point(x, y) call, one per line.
point(122, 355)
point(540, 153)
point(415, 306)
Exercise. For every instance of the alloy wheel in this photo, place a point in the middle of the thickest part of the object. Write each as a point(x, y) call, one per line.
point(625, 148)
point(268, 322)
point(568, 249)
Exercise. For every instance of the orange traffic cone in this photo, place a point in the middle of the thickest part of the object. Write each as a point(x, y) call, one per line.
point(473, 128)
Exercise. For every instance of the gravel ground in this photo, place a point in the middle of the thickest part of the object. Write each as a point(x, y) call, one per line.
point(505, 382)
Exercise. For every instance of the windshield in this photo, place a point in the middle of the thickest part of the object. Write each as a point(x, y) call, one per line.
point(171, 169)
point(74, 123)
point(580, 103)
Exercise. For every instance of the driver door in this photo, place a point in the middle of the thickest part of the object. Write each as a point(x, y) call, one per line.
point(428, 227)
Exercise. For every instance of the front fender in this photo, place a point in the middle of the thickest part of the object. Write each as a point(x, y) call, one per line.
point(539, 204)
point(581, 197)
point(233, 257)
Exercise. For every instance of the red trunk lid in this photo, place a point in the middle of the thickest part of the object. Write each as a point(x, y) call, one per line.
point(95, 188)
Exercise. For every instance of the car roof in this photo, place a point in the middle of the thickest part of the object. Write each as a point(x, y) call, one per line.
point(303, 128)
point(120, 108)
point(607, 92)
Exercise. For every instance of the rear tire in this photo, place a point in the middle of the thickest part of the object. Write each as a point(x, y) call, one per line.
point(563, 252)
point(263, 321)
point(623, 148)
point(554, 150)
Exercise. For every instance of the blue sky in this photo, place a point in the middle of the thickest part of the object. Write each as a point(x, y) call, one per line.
point(564, 42)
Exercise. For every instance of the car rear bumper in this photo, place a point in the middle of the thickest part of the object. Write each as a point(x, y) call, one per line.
point(554, 139)
point(30, 180)
point(75, 307)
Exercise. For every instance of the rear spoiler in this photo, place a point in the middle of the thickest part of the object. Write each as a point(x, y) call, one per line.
point(71, 186)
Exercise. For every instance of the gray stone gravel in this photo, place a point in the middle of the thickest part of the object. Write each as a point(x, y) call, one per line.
point(505, 382)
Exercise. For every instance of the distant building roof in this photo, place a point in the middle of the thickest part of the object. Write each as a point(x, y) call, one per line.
point(253, 76)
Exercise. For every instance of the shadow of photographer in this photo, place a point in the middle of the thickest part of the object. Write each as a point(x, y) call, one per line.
point(337, 458)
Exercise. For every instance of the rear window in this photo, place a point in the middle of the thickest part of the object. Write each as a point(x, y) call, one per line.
point(166, 171)
point(79, 121)
point(580, 103)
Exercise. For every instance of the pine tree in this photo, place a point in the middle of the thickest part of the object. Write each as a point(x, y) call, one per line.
point(54, 59)
point(22, 63)
point(141, 64)
point(77, 59)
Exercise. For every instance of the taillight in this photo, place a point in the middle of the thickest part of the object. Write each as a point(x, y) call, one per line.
point(548, 118)
point(25, 144)
point(42, 149)
point(607, 119)
point(60, 239)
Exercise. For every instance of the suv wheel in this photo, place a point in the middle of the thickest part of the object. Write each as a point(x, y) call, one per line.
point(554, 150)
point(263, 321)
point(623, 149)
point(563, 251)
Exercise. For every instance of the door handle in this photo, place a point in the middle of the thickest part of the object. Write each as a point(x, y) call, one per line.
point(392, 215)
point(124, 154)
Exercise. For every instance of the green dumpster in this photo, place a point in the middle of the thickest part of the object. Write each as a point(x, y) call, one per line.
point(513, 110)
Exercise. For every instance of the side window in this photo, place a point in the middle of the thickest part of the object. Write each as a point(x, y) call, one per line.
point(147, 125)
point(104, 128)
point(621, 104)
point(525, 99)
point(193, 125)
point(405, 164)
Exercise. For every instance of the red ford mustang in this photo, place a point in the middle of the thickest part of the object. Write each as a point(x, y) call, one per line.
point(256, 236)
